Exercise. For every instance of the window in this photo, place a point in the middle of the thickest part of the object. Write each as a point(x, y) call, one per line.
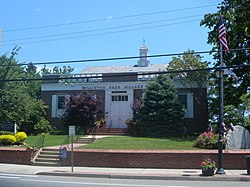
point(58, 105)
point(183, 100)
point(61, 102)
point(187, 100)
point(119, 98)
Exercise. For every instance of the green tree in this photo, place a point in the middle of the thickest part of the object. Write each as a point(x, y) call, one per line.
point(37, 123)
point(57, 70)
point(81, 110)
point(190, 61)
point(240, 115)
point(161, 112)
point(12, 94)
point(16, 103)
point(236, 19)
point(194, 77)
point(18, 99)
point(34, 86)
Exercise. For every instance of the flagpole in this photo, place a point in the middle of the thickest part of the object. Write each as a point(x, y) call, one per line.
point(220, 169)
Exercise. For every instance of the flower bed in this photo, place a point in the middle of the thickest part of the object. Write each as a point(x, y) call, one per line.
point(208, 140)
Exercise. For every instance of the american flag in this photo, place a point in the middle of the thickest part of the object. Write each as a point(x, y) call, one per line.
point(222, 35)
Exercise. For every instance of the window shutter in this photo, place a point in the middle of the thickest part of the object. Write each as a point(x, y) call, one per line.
point(54, 106)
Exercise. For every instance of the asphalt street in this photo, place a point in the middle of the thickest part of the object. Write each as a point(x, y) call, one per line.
point(14, 180)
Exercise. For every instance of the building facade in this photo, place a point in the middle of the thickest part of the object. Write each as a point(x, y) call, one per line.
point(117, 87)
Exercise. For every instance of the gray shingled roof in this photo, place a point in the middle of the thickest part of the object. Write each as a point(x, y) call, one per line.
point(123, 69)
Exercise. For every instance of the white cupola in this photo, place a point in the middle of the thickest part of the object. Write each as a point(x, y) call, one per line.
point(143, 62)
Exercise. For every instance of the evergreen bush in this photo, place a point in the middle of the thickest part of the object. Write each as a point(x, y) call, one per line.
point(161, 112)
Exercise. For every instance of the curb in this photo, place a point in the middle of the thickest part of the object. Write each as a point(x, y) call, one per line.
point(152, 177)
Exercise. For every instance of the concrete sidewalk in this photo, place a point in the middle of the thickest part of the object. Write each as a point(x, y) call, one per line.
point(125, 173)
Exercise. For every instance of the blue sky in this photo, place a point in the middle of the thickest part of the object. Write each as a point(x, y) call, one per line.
point(90, 29)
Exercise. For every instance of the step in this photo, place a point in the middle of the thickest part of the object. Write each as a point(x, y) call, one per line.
point(110, 131)
point(49, 156)
point(50, 149)
point(50, 153)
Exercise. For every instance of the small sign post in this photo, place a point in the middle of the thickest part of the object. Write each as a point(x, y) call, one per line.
point(15, 125)
point(72, 132)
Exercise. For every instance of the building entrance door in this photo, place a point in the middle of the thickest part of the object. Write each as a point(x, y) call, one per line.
point(120, 110)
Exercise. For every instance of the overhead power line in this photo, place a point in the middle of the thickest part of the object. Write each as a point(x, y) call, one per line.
point(105, 19)
point(118, 58)
point(104, 59)
point(104, 33)
point(70, 77)
point(102, 29)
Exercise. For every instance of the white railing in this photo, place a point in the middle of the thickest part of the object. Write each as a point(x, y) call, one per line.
point(92, 78)
point(146, 77)
point(80, 78)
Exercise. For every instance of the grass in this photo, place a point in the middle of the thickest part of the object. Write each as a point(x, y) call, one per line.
point(50, 140)
point(141, 143)
point(120, 142)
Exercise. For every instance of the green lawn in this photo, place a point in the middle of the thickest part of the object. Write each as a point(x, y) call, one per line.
point(50, 140)
point(120, 142)
point(139, 143)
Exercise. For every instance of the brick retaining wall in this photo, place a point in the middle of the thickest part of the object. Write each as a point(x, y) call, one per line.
point(179, 159)
point(15, 155)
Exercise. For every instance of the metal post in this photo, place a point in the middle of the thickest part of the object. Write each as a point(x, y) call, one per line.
point(72, 154)
point(221, 116)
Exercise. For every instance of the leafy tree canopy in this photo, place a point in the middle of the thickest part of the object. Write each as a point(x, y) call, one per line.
point(56, 70)
point(235, 14)
point(240, 115)
point(81, 110)
point(19, 99)
point(190, 61)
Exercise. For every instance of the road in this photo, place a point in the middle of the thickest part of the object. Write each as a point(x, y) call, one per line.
point(14, 180)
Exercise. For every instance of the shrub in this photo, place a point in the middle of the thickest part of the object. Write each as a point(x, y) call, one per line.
point(56, 132)
point(81, 110)
point(43, 126)
point(6, 133)
point(208, 140)
point(7, 139)
point(20, 137)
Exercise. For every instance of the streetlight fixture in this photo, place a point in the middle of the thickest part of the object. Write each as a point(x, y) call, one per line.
point(219, 74)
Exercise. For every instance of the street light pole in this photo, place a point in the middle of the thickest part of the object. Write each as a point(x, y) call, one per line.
point(221, 113)
point(220, 77)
